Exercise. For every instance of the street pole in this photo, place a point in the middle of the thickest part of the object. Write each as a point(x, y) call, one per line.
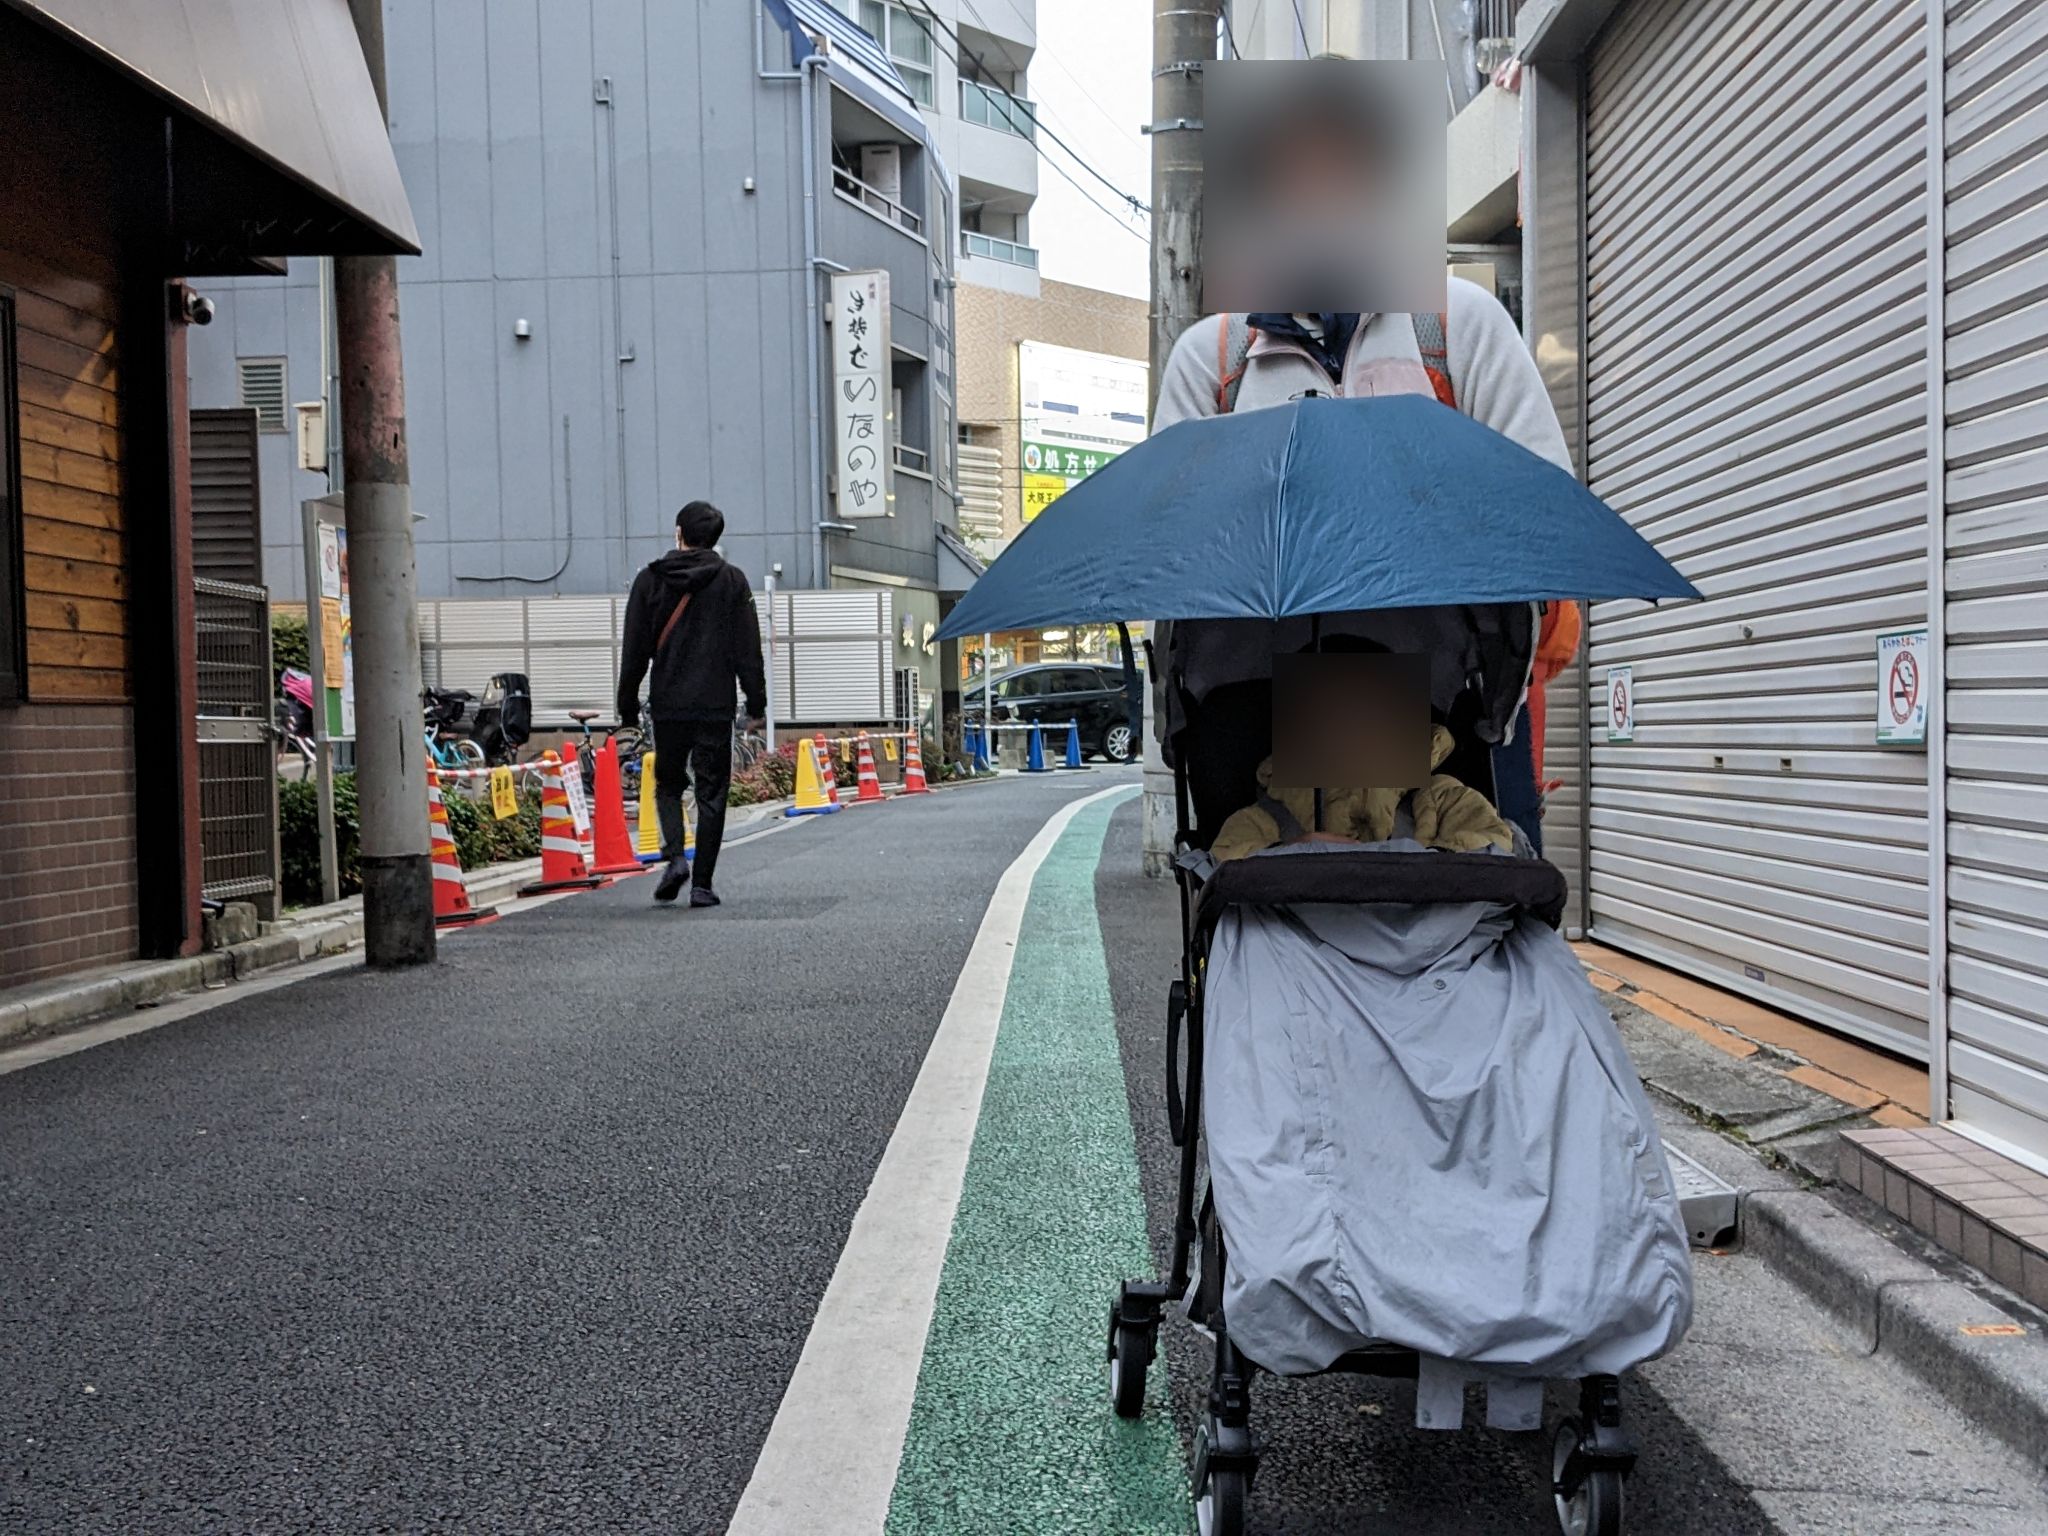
point(391, 771)
point(1183, 40)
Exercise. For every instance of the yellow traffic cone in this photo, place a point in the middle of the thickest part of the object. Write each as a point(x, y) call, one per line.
point(647, 835)
point(812, 797)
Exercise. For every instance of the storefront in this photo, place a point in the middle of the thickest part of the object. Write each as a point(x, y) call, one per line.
point(1740, 300)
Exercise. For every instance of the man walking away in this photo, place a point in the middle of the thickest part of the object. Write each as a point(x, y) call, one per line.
point(690, 622)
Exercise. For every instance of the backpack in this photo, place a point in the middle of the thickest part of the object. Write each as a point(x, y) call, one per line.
point(1234, 346)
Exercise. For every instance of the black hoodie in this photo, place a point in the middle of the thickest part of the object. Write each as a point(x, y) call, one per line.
point(717, 640)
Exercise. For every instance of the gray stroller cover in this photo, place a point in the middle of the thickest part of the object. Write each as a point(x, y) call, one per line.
point(1424, 1129)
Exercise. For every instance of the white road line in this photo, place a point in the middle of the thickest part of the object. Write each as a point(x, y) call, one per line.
point(829, 1463)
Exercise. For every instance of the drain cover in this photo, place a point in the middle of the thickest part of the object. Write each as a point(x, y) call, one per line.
point(1707, 1201)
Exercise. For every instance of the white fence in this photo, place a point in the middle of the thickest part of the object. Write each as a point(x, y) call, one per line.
point(834, 653)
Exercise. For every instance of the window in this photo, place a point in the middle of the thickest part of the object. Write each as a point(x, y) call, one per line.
point(906, 40)
point(13, 602)
point(261, 381)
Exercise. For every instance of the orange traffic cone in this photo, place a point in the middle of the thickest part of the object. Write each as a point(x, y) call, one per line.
point(825, 767)
point(913, 769)
point(451, 896)
point(561, 851)
point(870, 792)
point(614, 842)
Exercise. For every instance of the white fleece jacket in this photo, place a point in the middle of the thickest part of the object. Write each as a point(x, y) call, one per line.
point(1492, 374)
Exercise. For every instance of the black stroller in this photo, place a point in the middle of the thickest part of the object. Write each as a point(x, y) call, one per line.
point(1215, 704)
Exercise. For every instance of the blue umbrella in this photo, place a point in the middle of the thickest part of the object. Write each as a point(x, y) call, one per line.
point(1318, 506)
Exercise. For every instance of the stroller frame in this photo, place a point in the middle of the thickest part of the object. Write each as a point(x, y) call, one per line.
point(1592, 1452)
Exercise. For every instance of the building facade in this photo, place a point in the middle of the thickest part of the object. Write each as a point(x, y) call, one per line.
point(125, 183)
point(630, 219)
point(1790, 302)
point(994, 323)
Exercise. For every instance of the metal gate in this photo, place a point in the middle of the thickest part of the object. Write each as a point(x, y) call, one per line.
point(1995, 580)
point(237, 759)
point(1756, 335)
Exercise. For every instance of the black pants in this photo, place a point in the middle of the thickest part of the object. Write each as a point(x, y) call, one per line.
point(691, 753)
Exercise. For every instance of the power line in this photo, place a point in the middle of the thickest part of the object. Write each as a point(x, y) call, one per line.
point(1230, 32)
point(1054, 60)
point(1301, 27)
point(1026, 108)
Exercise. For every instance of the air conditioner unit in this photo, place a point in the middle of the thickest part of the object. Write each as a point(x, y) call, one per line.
point(881, 167)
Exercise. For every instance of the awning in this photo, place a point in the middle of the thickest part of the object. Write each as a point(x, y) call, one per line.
point(282, 81)
point(959, 566)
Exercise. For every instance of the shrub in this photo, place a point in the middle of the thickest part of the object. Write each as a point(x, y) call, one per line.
point(288, 644)
point(298, 829)
point(771, 778)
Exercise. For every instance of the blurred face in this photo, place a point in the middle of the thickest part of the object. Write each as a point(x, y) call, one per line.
point(1324, 187)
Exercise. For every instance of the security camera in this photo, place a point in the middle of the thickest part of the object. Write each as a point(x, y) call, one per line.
point(198, 310)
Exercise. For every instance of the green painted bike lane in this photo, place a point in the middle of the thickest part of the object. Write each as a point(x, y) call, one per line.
point(1012, 1429)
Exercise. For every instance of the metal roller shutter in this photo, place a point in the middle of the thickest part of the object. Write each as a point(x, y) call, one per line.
point(1996, 576)
point(1755, 363)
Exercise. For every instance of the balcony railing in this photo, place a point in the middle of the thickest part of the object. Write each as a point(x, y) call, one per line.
point(908, 457)
point(876, 201)
point(991, 108)
point(972, 244)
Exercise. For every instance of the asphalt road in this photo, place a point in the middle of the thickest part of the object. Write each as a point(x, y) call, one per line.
point(532, 1242)
point(528, 1243)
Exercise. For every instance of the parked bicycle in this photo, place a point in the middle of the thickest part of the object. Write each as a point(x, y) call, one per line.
point(292, 716)
point(450, 723)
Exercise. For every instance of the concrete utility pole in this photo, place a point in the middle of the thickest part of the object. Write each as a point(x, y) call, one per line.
point(391, 771)
point(1183, 39)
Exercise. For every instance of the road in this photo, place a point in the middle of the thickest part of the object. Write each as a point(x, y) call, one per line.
point(536, 1242)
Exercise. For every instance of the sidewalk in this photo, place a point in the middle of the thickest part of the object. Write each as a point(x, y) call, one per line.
point(1926, 1246)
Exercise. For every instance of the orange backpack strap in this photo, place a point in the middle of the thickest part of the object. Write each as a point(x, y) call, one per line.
point(1233, 347)
point(1432, 339)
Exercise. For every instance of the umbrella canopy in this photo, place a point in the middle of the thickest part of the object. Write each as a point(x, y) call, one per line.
point(1318, 506)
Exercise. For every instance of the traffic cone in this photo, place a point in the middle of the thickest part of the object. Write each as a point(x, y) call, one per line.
point(870, 792)
point(451, 896)
point(825, 768)
point(647, 834)
point(970, 746)
point(1034, 761)
point(561, 851)
point(913, 768)
point(1073, 746)
point(811, 796)
point(613, 843)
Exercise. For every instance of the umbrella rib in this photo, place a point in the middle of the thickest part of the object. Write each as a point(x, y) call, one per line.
point(1277, 601)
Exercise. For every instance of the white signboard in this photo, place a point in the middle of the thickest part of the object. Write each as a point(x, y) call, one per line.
point(579, 803)
point(1076, 411)
point(1902, 685)
point(861, 428)
point(1621, 704)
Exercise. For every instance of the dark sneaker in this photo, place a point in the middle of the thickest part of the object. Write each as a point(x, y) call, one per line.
point(672, 880)
point(703, 896)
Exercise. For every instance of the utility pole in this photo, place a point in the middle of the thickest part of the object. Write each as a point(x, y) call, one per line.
point(391, 771)
point(1183, 40)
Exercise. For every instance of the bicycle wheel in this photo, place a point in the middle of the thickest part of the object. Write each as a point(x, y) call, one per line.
point(468, 754)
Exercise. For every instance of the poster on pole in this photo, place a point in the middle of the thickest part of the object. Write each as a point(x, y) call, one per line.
point(348, 641)
point(862, 431)
point(1902, 686)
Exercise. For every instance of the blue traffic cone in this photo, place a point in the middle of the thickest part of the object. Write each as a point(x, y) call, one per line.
point(1073, 746)
point(1035, 761)
point(976, 748)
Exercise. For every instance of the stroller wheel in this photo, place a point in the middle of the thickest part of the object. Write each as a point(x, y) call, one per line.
point(1589, 1499)
point(1131, 1348)
point(1220, 1507)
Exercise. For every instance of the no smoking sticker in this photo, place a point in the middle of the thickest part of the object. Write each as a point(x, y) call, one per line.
point(1902, 688)
point(1621, 704)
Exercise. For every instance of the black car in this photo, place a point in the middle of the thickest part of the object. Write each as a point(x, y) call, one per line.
point(1055, 692)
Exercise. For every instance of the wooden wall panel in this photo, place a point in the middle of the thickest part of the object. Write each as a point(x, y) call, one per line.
point(73, 511)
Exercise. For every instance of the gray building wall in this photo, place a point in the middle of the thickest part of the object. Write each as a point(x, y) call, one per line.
point(547, 459)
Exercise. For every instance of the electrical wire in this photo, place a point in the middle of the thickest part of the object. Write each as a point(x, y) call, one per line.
point(1230, 32)
point(1301, 27)
point(1053, 60)
point(1026, 108)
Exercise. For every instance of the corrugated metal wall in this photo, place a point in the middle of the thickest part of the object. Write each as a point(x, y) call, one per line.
point(1756, 334)
point(1996, 577)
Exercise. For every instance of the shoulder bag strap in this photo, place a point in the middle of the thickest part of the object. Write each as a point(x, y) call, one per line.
point(1432, 333)
point(673, 619)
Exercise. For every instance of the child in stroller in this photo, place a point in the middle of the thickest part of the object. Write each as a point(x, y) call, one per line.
point(1428, 1155)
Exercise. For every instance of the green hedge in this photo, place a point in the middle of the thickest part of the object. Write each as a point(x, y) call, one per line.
point(480, 838)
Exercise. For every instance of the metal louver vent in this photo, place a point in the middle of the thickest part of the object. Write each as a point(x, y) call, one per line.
point(262, 386)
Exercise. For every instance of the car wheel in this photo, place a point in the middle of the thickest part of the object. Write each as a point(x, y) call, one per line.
point(1116, 743)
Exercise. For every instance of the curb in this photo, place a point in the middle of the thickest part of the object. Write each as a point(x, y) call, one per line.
point(1979, 1346)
